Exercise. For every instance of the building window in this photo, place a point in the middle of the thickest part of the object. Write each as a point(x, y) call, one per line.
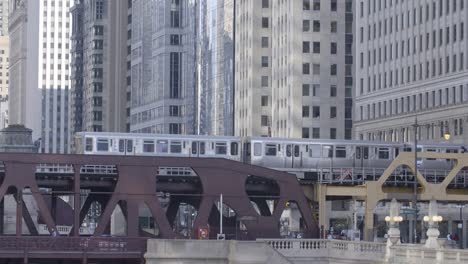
point(264, 22)
point(264, 61)
point(316, 132)
point(316, 25)
point(174, 75)
point(333, 69)
point(334, 26)
point(305, 90)
point(305, 25)
point(333, 6)
point(264, 120)
point(332, 133)
point(264, 42)
point(316, 5)
point(316, 69)
point(265, 3)
point(264, 81)
point(305, 111)
point(316, 47)
point(264, 100)
point(333, 48)
point(305, 47)
point(333, 112)
point(306, 68)
point(316, 112)
point(305, 132)
point(306, 4)
point(333, 91)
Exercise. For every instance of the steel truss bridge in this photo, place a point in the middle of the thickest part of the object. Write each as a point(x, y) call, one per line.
point(46, 189)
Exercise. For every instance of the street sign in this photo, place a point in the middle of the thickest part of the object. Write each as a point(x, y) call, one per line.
point(408, 211)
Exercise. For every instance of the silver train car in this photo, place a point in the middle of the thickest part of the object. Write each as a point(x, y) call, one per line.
point(99, 143)
point(278, 153)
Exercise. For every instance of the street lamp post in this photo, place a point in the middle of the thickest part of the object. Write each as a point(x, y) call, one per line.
point(415, 183)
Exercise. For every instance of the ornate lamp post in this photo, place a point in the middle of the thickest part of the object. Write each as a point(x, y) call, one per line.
point(393, 220)
point(446, 135)
point(433, 220)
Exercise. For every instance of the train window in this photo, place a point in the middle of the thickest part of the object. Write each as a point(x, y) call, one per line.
point(384, 153)
point(358, 152)
point(102, 144)
point(365, 151)
point(296, 151)
point(327, 151)
point(148, 146)
point(176, 147)
point(202, 148)
point(234, 148)
point(221, 148)
point(407, 149)
point(257, 149)
point(288, 150)
point(89, 144)
point(194, 148)
point(270, 150)
point(431, 150)
point(122, 145)
point(129, 145)
point(340, 152)
point(162, 146)
point(314, 151)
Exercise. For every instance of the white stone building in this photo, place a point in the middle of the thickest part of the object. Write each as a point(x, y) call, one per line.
point(294, 68)
point(411, 62)
point(39, 69)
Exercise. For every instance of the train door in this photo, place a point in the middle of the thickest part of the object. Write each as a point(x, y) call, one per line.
point(126, 147)
point(361, 157)
point(293, 156)
point(197, 149)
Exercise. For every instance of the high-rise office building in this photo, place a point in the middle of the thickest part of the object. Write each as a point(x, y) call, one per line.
point(163, 69)
point(99, 65)
point(411, 63)
point(215, 64)
point(4, 13)
point(294, 68)
point(39, 70)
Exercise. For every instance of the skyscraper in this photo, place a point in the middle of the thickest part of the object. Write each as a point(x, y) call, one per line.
point(294, 68)
point(215, 64)
point(163, 69)
point(412, 63)
point(99, 65)
point(39, 70)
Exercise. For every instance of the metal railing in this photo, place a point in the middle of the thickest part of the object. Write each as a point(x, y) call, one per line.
point(73, 244)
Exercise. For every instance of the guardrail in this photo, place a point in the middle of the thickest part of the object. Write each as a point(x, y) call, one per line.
point(421, 254)
point(73, 244)
point(296, 249)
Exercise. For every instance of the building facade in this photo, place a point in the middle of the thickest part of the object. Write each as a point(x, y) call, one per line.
point(294, 68)
point(39, 65)
point(215, 65)
point(99, 66)
point(163, 70)
point(411, 63)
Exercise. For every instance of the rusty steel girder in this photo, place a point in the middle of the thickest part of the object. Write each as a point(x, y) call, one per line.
point(137, 184)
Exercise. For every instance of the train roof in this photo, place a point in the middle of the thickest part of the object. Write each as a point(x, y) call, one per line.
point(328, 141)
point(148, 135)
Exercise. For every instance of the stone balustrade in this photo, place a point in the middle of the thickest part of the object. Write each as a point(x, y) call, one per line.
point(303, 250)
point(420, 254)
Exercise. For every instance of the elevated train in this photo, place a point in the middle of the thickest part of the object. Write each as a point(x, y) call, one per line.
point(278, 153)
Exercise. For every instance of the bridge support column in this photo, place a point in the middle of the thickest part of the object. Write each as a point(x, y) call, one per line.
point(19, 212)
point(2, 215)
point(369, 220)
point(323, 217)
point(76, 201)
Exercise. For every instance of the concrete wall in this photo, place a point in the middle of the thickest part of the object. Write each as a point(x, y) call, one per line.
point(211, 252)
